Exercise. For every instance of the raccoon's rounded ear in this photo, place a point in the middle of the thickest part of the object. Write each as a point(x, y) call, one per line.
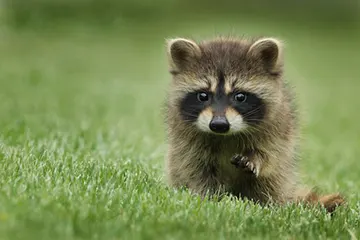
point(182, 52)
point(269, 53)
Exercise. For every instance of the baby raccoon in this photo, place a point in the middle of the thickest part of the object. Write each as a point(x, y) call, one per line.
point(231, 121)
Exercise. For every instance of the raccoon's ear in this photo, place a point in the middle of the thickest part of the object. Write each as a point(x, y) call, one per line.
point(269, 52)
point(182, 52)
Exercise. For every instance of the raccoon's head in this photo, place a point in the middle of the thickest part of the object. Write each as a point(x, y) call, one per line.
point(225, 86)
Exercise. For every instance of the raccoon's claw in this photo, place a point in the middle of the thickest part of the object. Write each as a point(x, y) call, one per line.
point(244, 163)
point(238, 160)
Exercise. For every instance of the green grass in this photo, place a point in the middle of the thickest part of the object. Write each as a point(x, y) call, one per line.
point(82, 139)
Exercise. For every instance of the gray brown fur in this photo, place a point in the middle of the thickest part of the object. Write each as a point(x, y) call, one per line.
point(201, 161)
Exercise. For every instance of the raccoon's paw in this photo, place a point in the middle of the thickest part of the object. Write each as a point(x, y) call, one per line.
point(237, 160)
point(245, 163)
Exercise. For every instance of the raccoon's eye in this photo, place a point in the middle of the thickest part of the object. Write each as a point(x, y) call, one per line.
point(202, 96)
point(240, 97)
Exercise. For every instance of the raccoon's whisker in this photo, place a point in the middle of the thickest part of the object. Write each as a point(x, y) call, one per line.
point(253, 111)
point(191, 115)
point(266, 127)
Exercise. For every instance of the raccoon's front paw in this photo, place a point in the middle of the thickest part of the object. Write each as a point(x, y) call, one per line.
point(237, 160)
point(245, 163)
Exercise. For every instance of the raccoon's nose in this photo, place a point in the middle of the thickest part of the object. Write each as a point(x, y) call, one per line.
point(219, 125)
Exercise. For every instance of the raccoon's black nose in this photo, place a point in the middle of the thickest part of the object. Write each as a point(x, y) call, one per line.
point(219, 125)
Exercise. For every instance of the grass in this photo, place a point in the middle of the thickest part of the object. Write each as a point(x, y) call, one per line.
point(82, 140)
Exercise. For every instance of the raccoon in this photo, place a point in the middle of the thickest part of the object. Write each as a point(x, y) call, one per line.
point(232, 123)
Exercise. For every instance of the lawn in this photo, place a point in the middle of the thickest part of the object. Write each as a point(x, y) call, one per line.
point(82, 139)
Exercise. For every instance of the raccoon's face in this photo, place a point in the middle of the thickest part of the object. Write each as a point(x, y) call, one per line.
point(225, 86)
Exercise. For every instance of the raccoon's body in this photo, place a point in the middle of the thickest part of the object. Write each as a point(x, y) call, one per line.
point(232, 125)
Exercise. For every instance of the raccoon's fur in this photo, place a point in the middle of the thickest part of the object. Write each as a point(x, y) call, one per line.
point(232, 125)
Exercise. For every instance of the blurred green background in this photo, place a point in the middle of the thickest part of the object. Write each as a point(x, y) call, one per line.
point(82, 140)
point(110, 11)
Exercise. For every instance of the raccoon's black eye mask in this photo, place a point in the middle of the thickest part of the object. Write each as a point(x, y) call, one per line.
point(248, 105)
